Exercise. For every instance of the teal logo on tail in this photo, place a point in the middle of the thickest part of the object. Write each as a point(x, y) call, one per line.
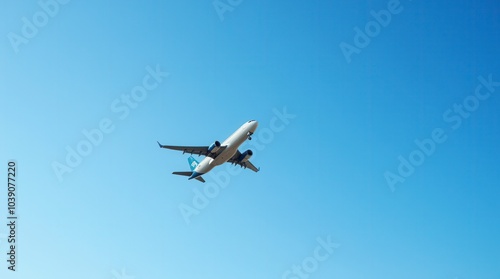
point(192, 163)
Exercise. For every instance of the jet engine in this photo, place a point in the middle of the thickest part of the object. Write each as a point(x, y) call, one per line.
point(214, 147)
point(245, 156)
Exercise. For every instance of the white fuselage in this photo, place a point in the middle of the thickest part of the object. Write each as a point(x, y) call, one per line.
point(232, 142)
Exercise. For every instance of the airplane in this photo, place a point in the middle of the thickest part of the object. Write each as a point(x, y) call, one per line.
point(218, 153)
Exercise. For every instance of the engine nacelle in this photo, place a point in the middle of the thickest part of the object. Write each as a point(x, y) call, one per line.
point(245, 156)
point(214, 147)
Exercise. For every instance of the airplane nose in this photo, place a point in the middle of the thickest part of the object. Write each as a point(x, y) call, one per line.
point(255, 124)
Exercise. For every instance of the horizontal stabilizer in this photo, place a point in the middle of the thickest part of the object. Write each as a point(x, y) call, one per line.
point(188, 174)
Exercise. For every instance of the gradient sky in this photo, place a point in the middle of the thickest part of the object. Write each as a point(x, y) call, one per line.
point(116, 215)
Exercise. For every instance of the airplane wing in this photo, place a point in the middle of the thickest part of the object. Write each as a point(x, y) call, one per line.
point(247, 164)
point(198, 150)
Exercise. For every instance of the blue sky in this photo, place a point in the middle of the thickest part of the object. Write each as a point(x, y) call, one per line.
point(332, 128)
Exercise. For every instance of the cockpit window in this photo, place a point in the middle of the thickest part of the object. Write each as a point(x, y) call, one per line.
point(250, 121)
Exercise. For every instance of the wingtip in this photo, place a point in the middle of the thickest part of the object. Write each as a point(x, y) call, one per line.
point(159, 144)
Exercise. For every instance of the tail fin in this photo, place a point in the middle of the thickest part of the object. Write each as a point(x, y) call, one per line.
point(192, 163)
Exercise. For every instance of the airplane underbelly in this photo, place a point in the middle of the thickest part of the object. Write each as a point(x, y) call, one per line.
point(205, 165)
point(224, 156)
